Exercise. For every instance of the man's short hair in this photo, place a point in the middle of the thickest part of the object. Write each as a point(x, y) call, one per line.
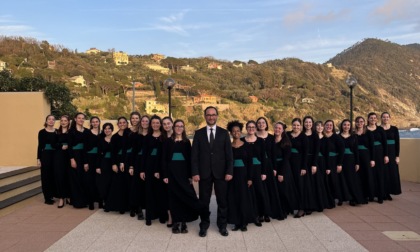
point(211, 107)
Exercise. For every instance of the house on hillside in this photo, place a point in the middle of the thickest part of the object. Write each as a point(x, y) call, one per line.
point(204, 98)
point(308, 100)
point(158, 68)
point(2, 65)
point(157, 57)
point(79, 80)
point(214, 65)
point(51, 64)
point(152, 107)
point(120, 58)
point(188, 68)
point(93, 50)
point(253, 98)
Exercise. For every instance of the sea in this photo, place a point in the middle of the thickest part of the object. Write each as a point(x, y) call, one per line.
point(410, 133)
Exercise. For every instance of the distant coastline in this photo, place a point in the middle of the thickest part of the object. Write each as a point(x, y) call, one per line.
point(410, 133)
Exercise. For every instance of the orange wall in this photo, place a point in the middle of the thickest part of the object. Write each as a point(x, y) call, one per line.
point(410, 160)
point(22, 116)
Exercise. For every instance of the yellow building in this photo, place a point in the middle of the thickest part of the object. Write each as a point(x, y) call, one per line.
point(93, 50)
point(79, 80)
point(207, 99)
point(158, 57)
point(2, 65)
point(120, 58)
point(158, 68)
point(152, 107)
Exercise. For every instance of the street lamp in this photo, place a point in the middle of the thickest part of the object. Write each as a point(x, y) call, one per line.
point(169, 84)
point(134, 95)
point(351, 82)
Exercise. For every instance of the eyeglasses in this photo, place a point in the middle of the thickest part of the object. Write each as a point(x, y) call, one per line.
point(179, 127)
point(250, 127)
point(211, 115)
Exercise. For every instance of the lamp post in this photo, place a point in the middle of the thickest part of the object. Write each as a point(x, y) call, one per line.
point(169, 84)
point(351, 82)
point(133, 101)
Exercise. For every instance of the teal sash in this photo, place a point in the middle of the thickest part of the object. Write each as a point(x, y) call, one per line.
point(377, 143)
point(238, 163)
point(107, 155)
point(120, 152)
point(347, 151)
point(130, 150)
point(177, 156)
point(332, 154)
point(140, 153)
point(255, 161)
point(78, 146)
point(361, 147)
point(390, 142)
point(279, 159)
point(319, 154)
point(294, 150)
point(94, 150)
point(48, 147)
point(154, 152)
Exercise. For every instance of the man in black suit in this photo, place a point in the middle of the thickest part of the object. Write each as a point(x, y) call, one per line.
point(212, 163)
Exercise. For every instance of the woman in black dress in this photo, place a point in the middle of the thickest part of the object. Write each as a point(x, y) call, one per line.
point(132, 180)
point(322, 181)
point(392, 174)
point(104, 163)
point(78, 136)
point(380, 151)
point(270, 181)
point(150, 172)
point(281, 156)
point(298, 162)
point(366, 158)
point(92, 157)
point(167, 124)
point(240, 193)
point(47, 138)
point(257, 149)
point(351, 164)
point(316, 195)
point(117, 199)
point(176, 172)
point(62, 162)
point(334, 151)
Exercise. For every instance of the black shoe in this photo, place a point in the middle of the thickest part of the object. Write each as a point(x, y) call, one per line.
point(261, 219)
point(140, 215)
point(169, 225)
point(184, 228)
point(299, 214)
point(148, 222)
point(132, 213)
point(106, 210)
point(266, 219)
point(352, 203)
point(49, 201)
point(244, 229)
point(91, 206)
point(308, 212)
point(370, 199)
point(236, 228)
point(202, 233)
point(100, 204)
point(162, 220)
point(388, 197)
point(257, 222)
point(223, 232)
point(175, 228)
point(340, 203)
point(380, 201)
point(122, 212)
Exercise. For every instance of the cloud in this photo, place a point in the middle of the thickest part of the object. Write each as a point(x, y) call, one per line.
point(308, 14)
point(14, 29)
point(394, 10)
point(174, 17)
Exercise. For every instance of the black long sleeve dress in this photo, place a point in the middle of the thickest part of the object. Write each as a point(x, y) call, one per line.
point(45, 153)
point(104, 162)
point(176, 167)
point(92, 144)
point(137, 186)
point(350, 160)
point(62, 166)
point(257, 150)
point(334, 157)
point(316, 194)
point(392, 173)
point(366, 172)
point(380, 150)
point(287, 188)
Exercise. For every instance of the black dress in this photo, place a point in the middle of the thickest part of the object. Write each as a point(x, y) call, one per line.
point(241, 198)
point(92, 156)
point(45, 153)
point(270, 181)
point(366, 172)
point(380, 150)
point(117, 199)
point(78, 188)
point(137, 189)
point(316, 194)
point(176, 166)
point(287, 188)
point(322, 179)
point(257, 151)
point(350, 160)
point(298, 162)
point(62, 166)
point(104, 161)
point(392, 173)
point(334, 157)
point(156, 202)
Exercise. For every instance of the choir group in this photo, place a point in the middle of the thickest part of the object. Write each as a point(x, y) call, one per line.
point(149, 164)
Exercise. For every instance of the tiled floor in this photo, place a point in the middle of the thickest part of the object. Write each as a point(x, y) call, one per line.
point(38, 227)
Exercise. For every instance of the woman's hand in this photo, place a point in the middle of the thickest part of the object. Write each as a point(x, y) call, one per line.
point(38, 163)
point(386, 159)
point(86, 167)
point(263, 177)
point(357, 167)
point(98, 170)
point(313, 169)
point(249, 183)
point(73, 163)
point(142, 175)
point(115, 168)
point(328, 172)
point(397, 160)
point(131, 170)
point(157, 175)
point(302, 172)
point(280, 178)
point(339, 168)
point(122, 167)
point(372, 163)
point(166, 180)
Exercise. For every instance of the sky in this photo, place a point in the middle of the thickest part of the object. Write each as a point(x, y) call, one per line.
point(263, 30)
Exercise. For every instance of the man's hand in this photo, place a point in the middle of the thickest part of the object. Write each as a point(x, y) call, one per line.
point(228, 177)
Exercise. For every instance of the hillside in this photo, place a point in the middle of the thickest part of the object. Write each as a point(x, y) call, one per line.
point(388, 76)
